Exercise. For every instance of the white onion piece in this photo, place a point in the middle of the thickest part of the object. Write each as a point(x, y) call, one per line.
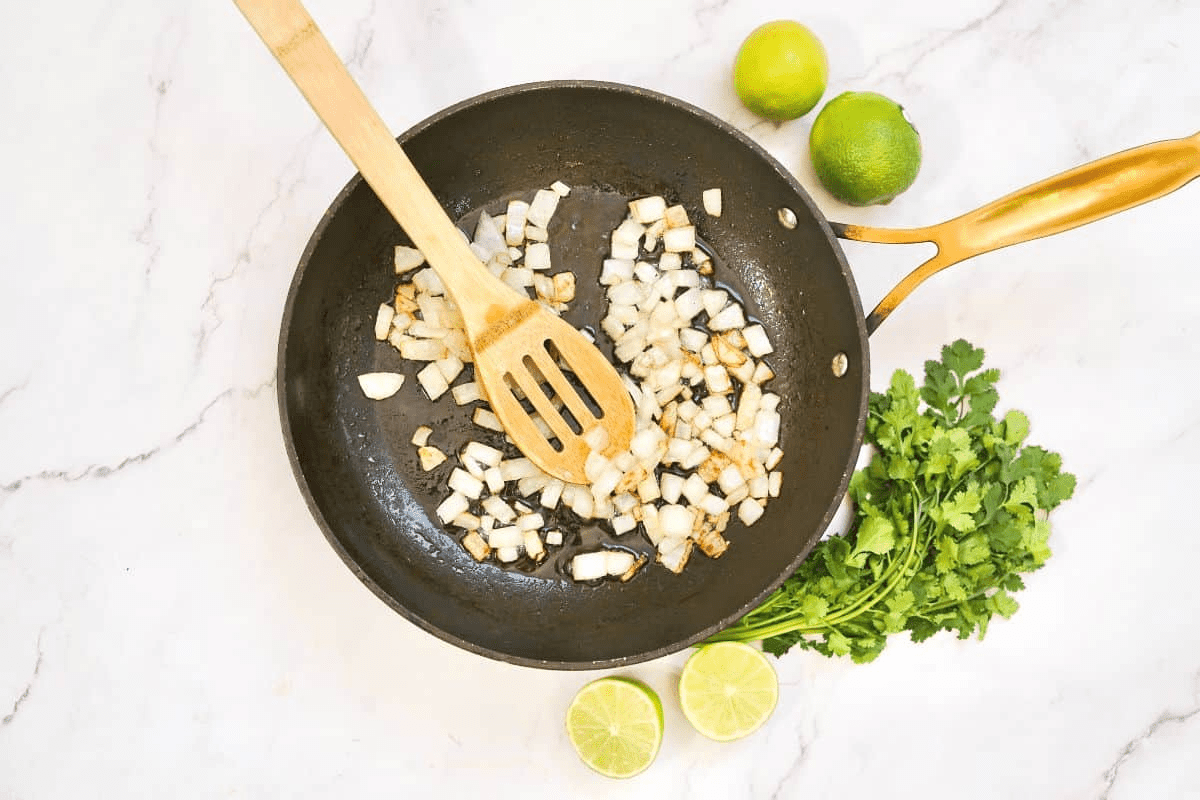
point(696, 457)
point(728, 318)
point(623, 523)
point(428, 282)
point(516, 468)
point(676, 217)
point(589, 566)
point(627, 250)
point(498, 509)
point(452, 506)
point(476, 546)
point(432, 381)
point(717, 380)
point(486, 419)
point(560, 188)
point(489, 239)
point(537, 256)
point(712, 202)
point(530, 522)
point(759, 487)
point(757, 342)
point(725, 424)
point(514, 223)
point(554, 538)
point(730, 479)
point(694, 488)
point(766, 426)
point(749, 511)
point(545, 201)
point(616, 270)
point(676, 521)
point(494, 481)
point(624, 503)
point(618, 562)
point(675, 557)
point(712, 505)
point(508, 536)
point(383, 321)
point(533, 545)
point(430, 457)
point(628, 232)
point(380, 385)
point(450, 367)
point(716, 405)
point(648, 489)
point(407, 258)
point(645, 272)
point(646, 210)
point(465, 393)
point(551, 494)
point(679, 240)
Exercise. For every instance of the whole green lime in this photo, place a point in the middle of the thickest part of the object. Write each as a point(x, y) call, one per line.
point(864, 150)
point(780, 70)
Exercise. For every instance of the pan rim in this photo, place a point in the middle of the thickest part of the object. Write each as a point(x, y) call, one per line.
point(327, 529)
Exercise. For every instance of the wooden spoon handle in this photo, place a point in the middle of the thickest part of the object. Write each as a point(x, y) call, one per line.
point(307, 57)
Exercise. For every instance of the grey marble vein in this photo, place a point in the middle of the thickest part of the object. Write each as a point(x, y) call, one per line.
point(37, 668)
point(106, 470)
point(927, 46)
point(212, 319)
point(160, 81)
point(364, 36)
point(10, 391)
point(780, 790)
point(1131, 747)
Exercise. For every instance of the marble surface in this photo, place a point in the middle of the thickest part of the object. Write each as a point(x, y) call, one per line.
point(174, 623)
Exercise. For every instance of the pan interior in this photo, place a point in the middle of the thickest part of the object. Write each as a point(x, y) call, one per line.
point(353, 458)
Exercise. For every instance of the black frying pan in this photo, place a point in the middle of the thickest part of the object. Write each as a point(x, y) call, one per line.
point(359, 472)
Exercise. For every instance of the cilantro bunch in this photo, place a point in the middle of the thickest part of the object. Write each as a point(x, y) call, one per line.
point(949, 514)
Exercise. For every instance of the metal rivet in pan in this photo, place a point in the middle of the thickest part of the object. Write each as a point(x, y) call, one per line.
point(787, 218)
point(840, 364)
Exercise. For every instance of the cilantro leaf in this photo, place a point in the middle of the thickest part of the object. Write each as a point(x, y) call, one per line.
point(949, 515)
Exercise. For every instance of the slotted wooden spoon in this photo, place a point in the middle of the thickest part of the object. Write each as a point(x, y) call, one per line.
point(514, 341)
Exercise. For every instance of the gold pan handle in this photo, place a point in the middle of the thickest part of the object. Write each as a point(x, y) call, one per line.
point(1077, 197)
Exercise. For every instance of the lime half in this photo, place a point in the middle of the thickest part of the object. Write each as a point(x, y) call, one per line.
point(728, 690)
point(616, 726)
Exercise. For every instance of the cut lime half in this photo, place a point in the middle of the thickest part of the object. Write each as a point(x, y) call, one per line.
point(616, 726)
point(728, 690)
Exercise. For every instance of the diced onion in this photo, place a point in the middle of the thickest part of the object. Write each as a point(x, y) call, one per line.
point(380, 385)
point(465, 483)
point(452, 506)
point(712, 202)
point(407, 258)
point(430, 457)
point(514, 224)
point(749, 511)
point(692, 366)
point(545, 201)
point(648, 209)
point(589, 566)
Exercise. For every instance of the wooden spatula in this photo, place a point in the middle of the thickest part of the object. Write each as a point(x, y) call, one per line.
point(515, 342)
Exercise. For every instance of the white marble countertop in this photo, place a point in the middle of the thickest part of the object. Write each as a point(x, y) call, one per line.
point(174, 623)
